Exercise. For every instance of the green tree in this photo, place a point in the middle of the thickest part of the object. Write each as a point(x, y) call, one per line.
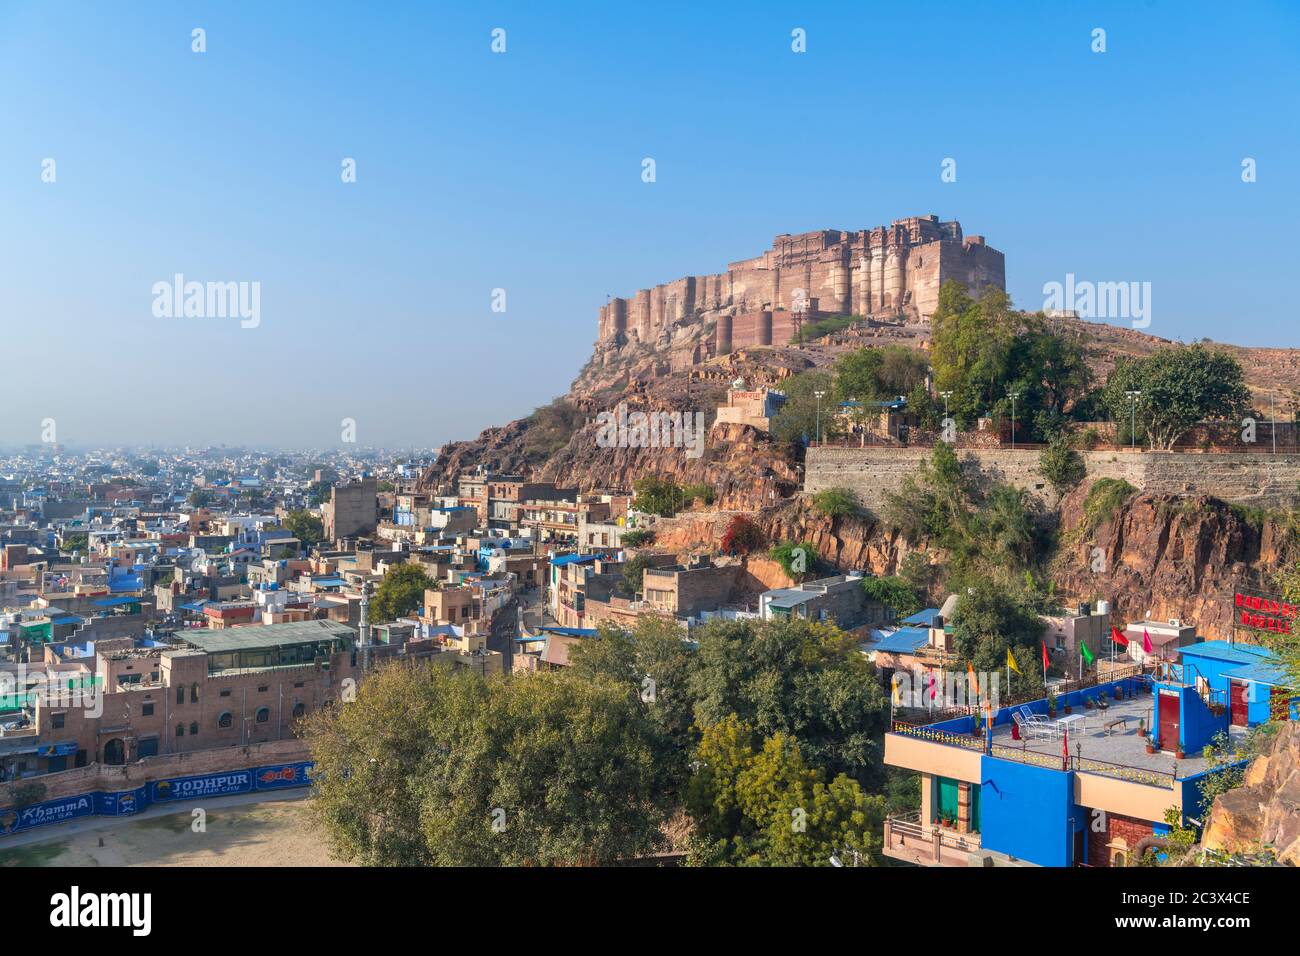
point(798, 417)
point(306, 527)
point(837, 502)
point(657, 496)
point(77, 541)
point(400, 592)
point(436, 766)
point(797, 558)
point(857, 375)
point(1060, 464)
point(893, 592)
point(767, 807)
point(200, 498)
point(634, 574)
point(795, 677)
point(989, 620)
point(1181, 387)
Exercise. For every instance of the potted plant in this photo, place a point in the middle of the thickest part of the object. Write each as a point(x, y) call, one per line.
point(1151, 747)
point(1119, 692)
point(1087, 703)
point(1178, 754)
point(1051, 704)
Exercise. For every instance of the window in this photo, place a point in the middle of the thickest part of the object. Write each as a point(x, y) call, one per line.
point(194, 693)
point(263, 714)
point(180, 694)
point(262, 689)
point(56, 720)
point(299, 709)
point(194, 728)
point(225, 720)
point(180, 730)
point(146, 710)
point(225, 693)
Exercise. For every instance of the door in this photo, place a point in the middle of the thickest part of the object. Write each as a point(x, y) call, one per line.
point(1239, 693)
point(1169, 703)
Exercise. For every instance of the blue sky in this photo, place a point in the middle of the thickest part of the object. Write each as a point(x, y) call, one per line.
point(521, 171)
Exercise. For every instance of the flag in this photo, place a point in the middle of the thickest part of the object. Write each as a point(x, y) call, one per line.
point(1118, 637)
point(1065, 749)
point(898, 692)
point(1087, 654)
point(1146, 642)
point(971, 681)
point(1046, 663)
point(933, 689)
point(1011, 661)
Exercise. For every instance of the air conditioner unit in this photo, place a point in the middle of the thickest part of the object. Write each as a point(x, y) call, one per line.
point(1174, 622)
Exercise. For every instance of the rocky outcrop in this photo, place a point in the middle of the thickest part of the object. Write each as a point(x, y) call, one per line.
point(1265, 809)
point(1160, 557)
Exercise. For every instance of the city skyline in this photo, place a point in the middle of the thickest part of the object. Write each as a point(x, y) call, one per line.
point(522, 171)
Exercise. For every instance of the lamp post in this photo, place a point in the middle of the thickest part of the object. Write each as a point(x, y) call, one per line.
point(946, 396)
point(1272, 411)
point(819, 393)
point(1133, 397)
point(1014, 396)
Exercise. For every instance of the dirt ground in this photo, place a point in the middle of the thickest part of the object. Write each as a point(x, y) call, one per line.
point(274, 833)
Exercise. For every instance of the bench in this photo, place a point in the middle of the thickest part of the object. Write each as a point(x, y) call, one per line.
point(1110, 725)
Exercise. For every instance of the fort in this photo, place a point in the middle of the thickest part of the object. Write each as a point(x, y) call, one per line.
point(890, 272)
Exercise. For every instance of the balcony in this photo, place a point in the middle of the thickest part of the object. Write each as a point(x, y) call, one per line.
point(909, 839)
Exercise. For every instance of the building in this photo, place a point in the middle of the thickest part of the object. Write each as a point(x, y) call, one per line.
point(353, 510)
point(754, 407)
point(839, 599)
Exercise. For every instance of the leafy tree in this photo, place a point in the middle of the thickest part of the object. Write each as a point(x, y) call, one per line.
point(857, 375)
point(443, 767)
point(319, 492)
point(306, 527)
point(637, 538)
point(658, 496)
point(989, 620)
point(1181, 387)
point(767, 807)
point(893, 592)
point(797, 558)
point(1060, 464)
point(837, 502)
point(634, 573)
point(795, 677)
point(400, 592)
point(700, 492)
point(654, 663)
point(200, 498)
point(798, 417)
point(77, 541)
point(742, 536)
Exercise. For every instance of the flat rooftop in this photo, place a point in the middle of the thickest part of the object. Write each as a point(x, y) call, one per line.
point(287, 634)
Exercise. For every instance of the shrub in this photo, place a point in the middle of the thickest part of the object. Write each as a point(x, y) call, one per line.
point(700, 492)
point(1104, 499)
point(742, 536)
point(797, 558)
point(837, 502)
point(635, 539)
point(1060, 464)
point(894, 593)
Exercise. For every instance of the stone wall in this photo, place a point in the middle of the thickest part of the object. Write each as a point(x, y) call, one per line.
point(1258, 480)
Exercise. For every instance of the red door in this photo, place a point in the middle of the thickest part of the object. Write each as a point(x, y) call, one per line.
point(1240, 704)
point(1168, 721)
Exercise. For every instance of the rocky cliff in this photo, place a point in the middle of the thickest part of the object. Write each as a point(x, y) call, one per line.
point(1265, 809)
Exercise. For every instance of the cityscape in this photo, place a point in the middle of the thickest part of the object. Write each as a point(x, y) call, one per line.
point(699, 528)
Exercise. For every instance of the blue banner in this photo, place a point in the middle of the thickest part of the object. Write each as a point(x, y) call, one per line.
point(203, 785)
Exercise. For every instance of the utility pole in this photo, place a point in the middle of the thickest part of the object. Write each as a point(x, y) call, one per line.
point(1014, 395)
point(819, 393)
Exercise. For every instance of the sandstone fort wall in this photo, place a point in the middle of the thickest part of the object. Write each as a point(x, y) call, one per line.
point(1260, 481)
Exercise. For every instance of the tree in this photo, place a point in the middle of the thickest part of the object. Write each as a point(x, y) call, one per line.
point(795, 677)
point(1181, 387)
point(400, 592)
point(634, 573)
point(306, 527)
point(989, 620)
point(797, 420)
point(435, 766)
point(319, 492)
point(857, 375)
point(200, 498)
point(637, 538)
point(1060, 464)
point(767, 807)
point(742, 536)
point(797, 558)
point(657, 496)
point(895, 593)
point(76, 541)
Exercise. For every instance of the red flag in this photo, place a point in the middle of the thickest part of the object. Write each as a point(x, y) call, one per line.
point(1046, 662)
point(1146, 641)
point(1065, 749)
point(1118, 637)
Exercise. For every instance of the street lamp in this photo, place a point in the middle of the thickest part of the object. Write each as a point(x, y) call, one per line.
point(946, 396)
point(1014, 396)
point(819, 395)
point(1133, 397)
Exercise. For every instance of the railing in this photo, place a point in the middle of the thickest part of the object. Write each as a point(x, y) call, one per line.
point(1152, 778)
point(909, 826)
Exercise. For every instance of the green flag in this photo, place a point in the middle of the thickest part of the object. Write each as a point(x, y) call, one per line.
point(1087, 654)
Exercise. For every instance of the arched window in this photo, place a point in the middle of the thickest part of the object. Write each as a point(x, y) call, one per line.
point(115, 752)
point(194, 728)
point(299, 709)
point(194, 693)
point(263, 714)
point(225, 720)
point(180, 730)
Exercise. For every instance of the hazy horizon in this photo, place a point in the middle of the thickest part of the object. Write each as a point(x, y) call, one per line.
point(521, 171)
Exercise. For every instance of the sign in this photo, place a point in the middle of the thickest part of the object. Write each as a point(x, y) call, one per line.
point(1264, 614)
point(285, 775)
point(49, 811)
point(205, 785)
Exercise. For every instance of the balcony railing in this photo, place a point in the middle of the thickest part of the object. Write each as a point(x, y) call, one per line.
point(1163, 779)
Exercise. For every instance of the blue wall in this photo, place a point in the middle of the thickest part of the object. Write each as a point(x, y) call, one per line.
point(1027, 812)
point(126, 802)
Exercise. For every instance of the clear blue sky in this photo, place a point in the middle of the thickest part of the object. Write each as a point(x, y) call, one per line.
point(522, 171)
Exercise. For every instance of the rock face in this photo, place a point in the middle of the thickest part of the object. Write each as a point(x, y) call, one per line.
point(1161, 557)
point(1266, 808)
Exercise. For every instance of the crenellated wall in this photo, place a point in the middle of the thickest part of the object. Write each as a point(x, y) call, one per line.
point(885, 272)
